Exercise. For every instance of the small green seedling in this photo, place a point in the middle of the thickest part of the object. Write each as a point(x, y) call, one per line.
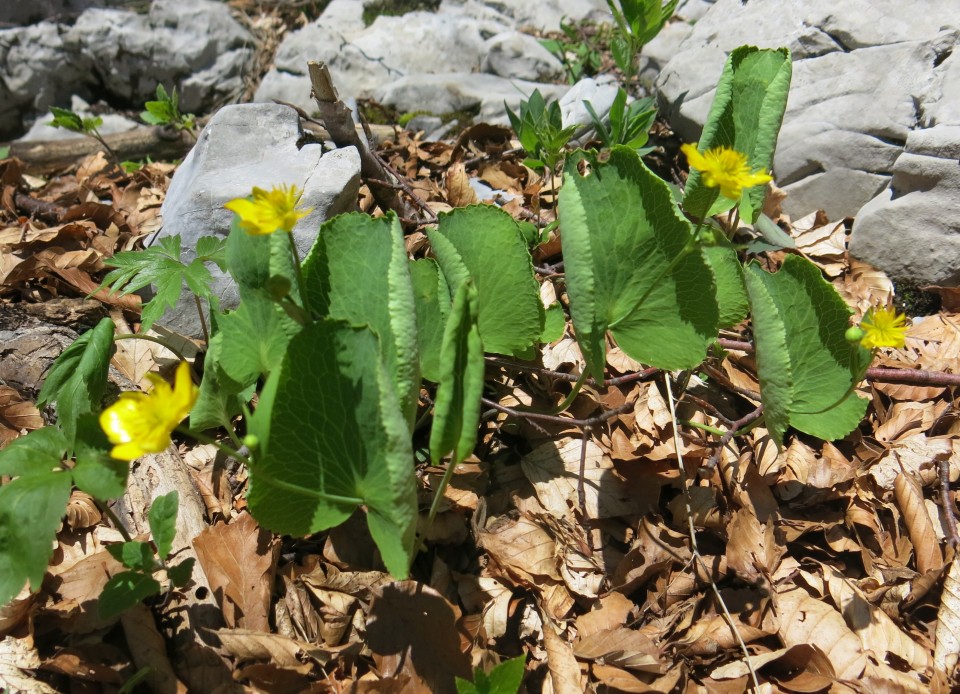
point(580, 57)
point(539, 127)
point(628, 125)
point(127, 588)
point(503, 679)
point(638, 22)
point(166, 111)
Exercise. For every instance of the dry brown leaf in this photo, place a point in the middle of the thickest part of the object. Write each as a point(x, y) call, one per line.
point(522, 548)
point(655, 549)
point(149, 650)
point(565, 676)
point(16, 415)
point(17, 657)
point(247, 646)
point(457, 183)
point(805, 620)
point(947, 649)
point(611, 612)
point(82, 511)
point(877, 632)
point(926, 547)
point(240, 560)
point(412, 630)
point(627, 648)
point(753, 552)
point(554, 470)
point(917, 454)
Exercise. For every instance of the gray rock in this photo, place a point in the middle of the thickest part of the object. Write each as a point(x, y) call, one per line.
point(599, 92)
point(543, 15)
point(112, 123)
point(512, 54)
point(451, 92)
point(23, 13)
point(912, 230)
point(36, 72)
point(867, 75)
point(132, 53)
point(241, 147)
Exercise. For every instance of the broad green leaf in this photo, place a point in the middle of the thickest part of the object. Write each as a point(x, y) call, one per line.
point(357, 271)
point(253, 339)
point(180, 574)
point(125, 590)
point(78, 378)
point(746, 114)
point(134, 555)
point(554, 323)
point(728, 273)
point(457, 406)
point(163, 521)
point(505, 678)
point(332, 437)
point(218, 401)
point(254, 260)
point(806, 367)
point(632, 267)
point(486, 244)
point(40, 451)
point(30, 511)
point(432, 298)
point(96, 472)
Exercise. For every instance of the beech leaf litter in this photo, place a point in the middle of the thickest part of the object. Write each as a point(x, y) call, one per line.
point(829, 564)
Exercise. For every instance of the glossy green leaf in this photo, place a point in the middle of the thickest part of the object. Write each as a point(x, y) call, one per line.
point(357, 271)
point(163, 521)
point(218, 401)
point(486, 244)
point(457, 405)
point(432, 298)
point(134, 555)
point(253, 338)
point(96, 472)
point(40, 451)
point(254, 260)
point(30, 511)
point(554, 323)
point(505, 678)
point(332, 437)
point(632, 267)
point(806, 368)
point(78, 378)
point(746, 114)
point(125, 590)
point(728, 274)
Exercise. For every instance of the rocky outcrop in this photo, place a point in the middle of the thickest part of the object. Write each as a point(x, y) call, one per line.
point(241, 147)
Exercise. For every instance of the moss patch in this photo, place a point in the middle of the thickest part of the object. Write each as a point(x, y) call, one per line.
point(395, 8)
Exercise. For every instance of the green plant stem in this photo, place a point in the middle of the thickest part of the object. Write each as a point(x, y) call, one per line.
point(270, 479)
point(301, 286)
point(438, 496)
point(203, 321)
point(108, 512)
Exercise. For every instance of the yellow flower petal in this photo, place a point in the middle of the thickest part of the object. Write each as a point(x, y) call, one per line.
point(883, 327)
point(724, 168)
point(269, 210)
point(139, 423)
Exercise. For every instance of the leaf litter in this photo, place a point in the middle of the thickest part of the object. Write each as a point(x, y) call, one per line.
point(829, 563)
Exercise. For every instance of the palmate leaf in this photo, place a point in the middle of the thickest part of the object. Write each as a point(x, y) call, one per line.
point(161, 266)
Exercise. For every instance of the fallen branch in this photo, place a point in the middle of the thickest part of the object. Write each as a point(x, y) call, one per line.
point(51, 155)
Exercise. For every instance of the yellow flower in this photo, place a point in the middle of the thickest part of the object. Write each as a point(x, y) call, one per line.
point(140, 423)
point(883, 327)
point(724, 168)
point(269, 211)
